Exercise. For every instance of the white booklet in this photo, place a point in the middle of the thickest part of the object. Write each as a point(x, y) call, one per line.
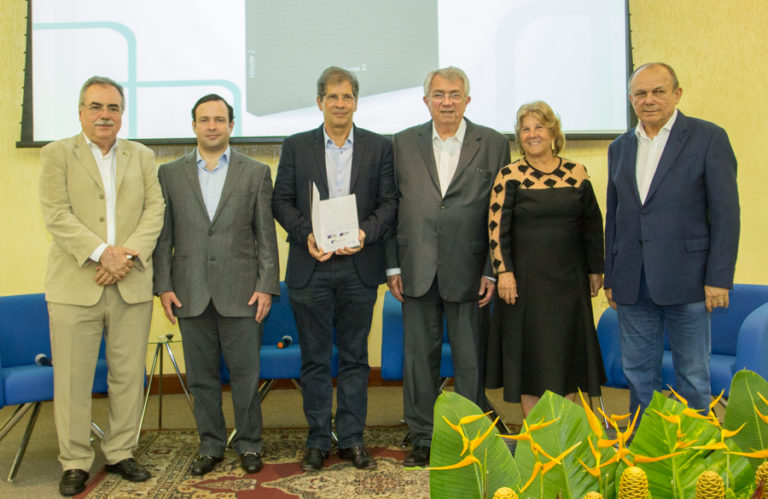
point(334, 221)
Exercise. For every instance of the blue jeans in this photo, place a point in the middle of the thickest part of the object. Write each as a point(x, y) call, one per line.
point(641, 327)
point(334, 296)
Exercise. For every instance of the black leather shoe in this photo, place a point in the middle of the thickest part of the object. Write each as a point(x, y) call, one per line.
point(313, 459)
point(73, 482)
point(129, 469)
point(204, 464)
point(419, 456)
point(359, 457)
point(250, 462)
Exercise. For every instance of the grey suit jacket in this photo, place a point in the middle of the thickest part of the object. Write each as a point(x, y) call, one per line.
point(446, 236)
point(225, 259)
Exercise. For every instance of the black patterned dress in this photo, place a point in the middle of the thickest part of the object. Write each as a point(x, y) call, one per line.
point(547, 229)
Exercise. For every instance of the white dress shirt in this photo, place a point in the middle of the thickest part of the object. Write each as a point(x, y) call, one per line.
point(447, 154)
point(107, 164)
point(648, 155)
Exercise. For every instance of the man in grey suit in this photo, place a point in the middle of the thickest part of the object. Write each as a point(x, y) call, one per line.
point(216, 269)
point(333, 293)
point(438, 263)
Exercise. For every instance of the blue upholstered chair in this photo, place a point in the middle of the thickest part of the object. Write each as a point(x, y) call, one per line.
point(392, 344)
point(392, 353)
point(739, 341)
point(23, 335)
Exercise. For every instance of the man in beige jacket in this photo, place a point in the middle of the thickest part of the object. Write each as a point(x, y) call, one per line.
point(102, 204)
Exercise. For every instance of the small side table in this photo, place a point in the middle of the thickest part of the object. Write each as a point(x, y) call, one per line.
point(164, 340)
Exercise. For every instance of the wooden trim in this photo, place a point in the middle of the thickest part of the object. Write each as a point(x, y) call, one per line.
point(171, 383)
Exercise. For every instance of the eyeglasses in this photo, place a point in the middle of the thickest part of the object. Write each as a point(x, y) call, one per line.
point(97, 108)
point(453, 96)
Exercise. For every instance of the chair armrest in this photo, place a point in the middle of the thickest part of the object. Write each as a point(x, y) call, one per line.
point(610, 348)
point(391, 339)
point(752, 345)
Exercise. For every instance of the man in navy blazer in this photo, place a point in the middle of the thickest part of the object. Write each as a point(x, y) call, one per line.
point(335, 289)
point(672, 234)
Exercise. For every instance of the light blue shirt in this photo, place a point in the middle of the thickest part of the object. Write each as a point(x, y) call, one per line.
point(338, 165)
point(212, 181)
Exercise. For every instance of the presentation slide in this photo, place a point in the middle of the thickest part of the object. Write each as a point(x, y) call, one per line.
point(264, 57)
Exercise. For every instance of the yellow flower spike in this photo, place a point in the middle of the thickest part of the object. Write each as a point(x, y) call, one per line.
point(538, 449)
point(536, 467)
point(712, 446)
point(761, 396)
point(460, 431)
point(604, 444)
point(717, 399)
point(558, 460)
point(455, 427)
point(520, 437)
point(693, 413)
point(761, 415)
point(540, 425)
point(679, 434)
point(671, 418)
point(631, 426)
point(594, 423)
point(729, 433)
point(470, 459)
point(477, 441)
point(472, 418)
point(761, 454)
point(678, 396)
point(595, 472)
point(645, 459)
point(595, 452)
point(682, 444)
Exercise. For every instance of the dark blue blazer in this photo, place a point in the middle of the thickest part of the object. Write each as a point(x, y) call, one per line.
point(302, 161)
point(686, 234)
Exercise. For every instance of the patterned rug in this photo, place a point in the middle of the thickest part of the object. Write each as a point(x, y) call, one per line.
point(168, 454)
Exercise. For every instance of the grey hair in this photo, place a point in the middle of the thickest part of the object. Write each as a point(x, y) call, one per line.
point(675, 82)
point(449, 73)
point(102, 80)
point(335, 74)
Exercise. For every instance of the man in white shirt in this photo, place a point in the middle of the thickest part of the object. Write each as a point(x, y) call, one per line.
point(102, 204)
point(671, 237)
point(438, 262)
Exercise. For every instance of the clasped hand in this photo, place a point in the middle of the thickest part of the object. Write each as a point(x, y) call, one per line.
point(114, 265)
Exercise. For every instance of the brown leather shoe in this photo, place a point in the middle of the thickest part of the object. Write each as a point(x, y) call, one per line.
point(359, 457)
point(129, 469)
point(72, 482)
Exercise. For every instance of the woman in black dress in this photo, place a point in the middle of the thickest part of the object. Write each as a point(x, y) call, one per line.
point(546, 236)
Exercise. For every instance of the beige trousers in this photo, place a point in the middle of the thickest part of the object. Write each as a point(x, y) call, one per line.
point(76, 333)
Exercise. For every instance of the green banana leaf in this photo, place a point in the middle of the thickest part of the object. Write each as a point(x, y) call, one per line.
point(675, 477)
point(447, 445)
point(569, 479)
point(745, 387)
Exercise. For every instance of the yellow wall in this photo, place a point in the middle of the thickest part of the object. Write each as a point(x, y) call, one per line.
point(718, 49)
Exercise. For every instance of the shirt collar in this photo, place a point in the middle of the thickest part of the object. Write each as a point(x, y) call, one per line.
point(92, 145)
point(225, 157)
point(640, 131)
point(459, 135)
point(350, 140)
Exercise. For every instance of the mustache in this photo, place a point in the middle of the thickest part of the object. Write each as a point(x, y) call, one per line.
point(104, 121)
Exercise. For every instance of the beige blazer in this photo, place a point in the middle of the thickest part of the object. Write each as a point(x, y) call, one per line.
point(74, 209)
